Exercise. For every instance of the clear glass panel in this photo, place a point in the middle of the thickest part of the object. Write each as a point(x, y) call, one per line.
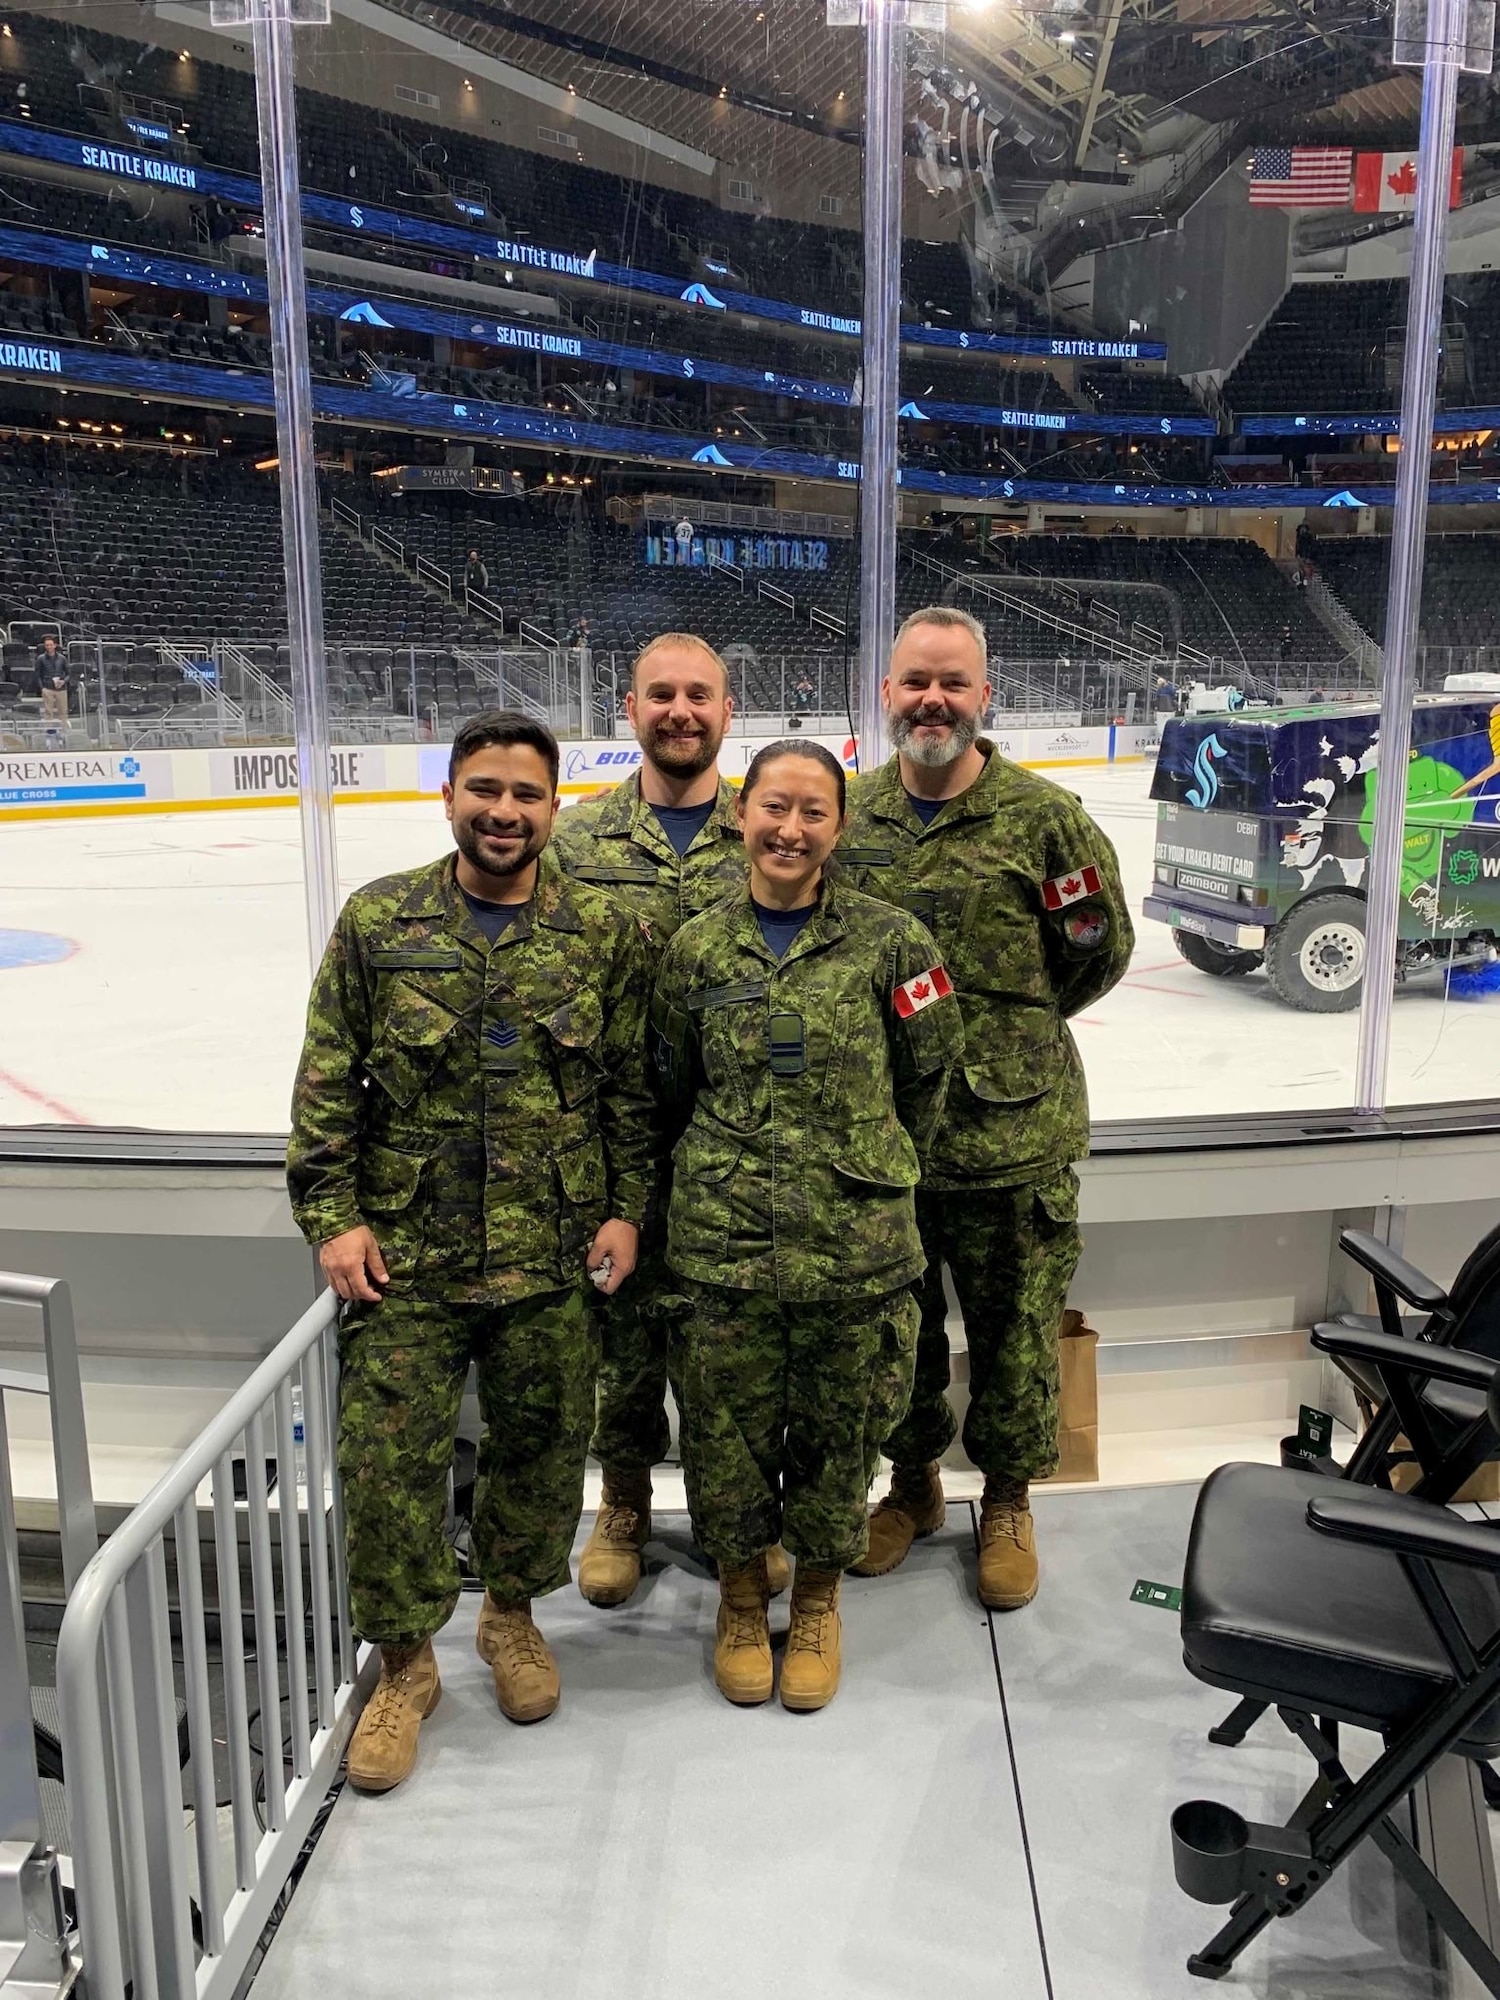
point(582, 323)
point(598, 315)
point(1110, 471)
point(146, 931)
point(1443, 1044)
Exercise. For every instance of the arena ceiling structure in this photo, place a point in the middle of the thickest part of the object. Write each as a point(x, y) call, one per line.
point(1074, 123)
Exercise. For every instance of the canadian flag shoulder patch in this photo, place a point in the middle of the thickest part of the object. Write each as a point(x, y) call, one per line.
point(1065, 889)
point(920, 992)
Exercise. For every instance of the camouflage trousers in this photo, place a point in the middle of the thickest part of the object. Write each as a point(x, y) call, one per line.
point(1012, 1252)
point(403, 1366)
point(784, 1410)
point(631, 1431)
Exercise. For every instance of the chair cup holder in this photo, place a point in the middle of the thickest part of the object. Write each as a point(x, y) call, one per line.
point(1295, 1460)
point(1208, 1850)
point(1217, 1855)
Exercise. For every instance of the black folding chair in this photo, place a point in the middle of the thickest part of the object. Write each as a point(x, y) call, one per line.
point(1336, 1603)
point(1443, 1422)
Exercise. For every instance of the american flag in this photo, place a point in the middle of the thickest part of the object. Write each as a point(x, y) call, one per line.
point(1301, 176)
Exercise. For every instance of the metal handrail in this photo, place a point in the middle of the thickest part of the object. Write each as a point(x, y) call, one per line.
point(115, 1686)
point(77, 1525)
point(488, 607)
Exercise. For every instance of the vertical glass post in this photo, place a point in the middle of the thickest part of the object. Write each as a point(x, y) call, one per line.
point(276, 106)
point(1442, 57)
point(884, 67)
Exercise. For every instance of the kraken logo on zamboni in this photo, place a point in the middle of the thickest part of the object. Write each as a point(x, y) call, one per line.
point(1266, 866)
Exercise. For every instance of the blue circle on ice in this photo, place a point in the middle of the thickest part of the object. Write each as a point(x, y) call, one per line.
point(33, 948)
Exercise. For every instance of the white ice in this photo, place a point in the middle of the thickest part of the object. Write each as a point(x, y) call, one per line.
point(181, 1004)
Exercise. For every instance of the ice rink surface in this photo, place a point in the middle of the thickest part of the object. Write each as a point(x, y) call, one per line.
point(153, 973)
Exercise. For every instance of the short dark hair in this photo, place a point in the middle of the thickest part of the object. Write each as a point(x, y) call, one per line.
point(792, 746)
point(503, 726)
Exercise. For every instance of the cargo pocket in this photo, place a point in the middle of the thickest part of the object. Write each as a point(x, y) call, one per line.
point(409, 1045)
point(1023, 1065)
point(877, 1153)
point(1056, 1205)
point(387, 1192)
point(581, 1183)
point(575, 1033)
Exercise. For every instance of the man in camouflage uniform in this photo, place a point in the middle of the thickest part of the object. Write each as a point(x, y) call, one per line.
point(472, 1127)
point(1022, 892)
point(665, 844)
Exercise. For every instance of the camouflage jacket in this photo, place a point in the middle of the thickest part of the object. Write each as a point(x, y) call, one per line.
point(617, 842)
point(809, 1088)
point(1022, 892)
point(483, 1108)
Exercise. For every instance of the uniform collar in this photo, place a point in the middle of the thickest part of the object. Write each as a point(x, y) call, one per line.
point(826, 924)
point(889, 799)
point(626, 815)
point(436, 894)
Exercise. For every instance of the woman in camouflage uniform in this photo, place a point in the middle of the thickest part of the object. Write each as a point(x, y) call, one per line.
point(804, 1033)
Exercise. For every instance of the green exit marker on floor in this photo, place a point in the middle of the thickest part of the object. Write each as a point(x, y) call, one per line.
point(1166, 1596)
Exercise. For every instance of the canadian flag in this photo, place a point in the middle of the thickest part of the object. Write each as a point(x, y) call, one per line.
point(1386, 183)
point(920, 992)
point(1065, 889)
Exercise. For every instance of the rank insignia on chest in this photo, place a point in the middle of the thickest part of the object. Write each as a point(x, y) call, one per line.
point(920, 992)
point(501, 1047)
point(1065, 889)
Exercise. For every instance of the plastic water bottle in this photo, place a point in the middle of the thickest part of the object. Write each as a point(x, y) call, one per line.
point(299, 1439)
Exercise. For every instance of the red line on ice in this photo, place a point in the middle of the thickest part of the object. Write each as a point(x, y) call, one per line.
point(10, 1081)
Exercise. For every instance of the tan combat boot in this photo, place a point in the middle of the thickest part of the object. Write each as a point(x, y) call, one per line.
point(913, 1508)
point(742, 1647)
point(610, 1567)
point(810, 1670)
point(1008, 1574)
point(778, 1569)
point(383, 1747)
point(527, 1684)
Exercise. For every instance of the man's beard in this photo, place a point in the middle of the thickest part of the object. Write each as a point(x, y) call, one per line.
point(498, 871)
point(680, 760)
point(931, 752)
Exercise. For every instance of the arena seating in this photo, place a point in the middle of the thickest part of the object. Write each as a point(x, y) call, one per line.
point(1233, 600)
point(350, 149)
point(1459, 605)
point(1115, 393)
point(1339, 348)
point(552, 562)
point(136, 549)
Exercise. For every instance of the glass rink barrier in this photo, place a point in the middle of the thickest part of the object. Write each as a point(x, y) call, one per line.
point(356, 375)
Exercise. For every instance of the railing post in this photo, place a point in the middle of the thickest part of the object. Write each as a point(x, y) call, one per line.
point(885, 64)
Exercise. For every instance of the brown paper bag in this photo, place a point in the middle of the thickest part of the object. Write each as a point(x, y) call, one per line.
point(1481, 1485)
point(1078, 1399)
